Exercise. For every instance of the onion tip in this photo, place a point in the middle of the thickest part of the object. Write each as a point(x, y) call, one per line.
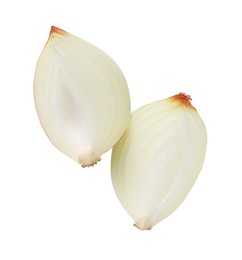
point(183, 99)
point(88, 159)
point(143, 225)
point(55, 30)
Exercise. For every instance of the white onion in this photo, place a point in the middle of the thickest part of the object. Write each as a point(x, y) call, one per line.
point(157, 161)
point(81, 97)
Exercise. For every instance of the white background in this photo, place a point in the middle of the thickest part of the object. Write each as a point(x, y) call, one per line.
point(51, 208)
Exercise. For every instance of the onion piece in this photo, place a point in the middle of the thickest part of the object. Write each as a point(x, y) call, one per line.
point(157, 161)
point(81, 97)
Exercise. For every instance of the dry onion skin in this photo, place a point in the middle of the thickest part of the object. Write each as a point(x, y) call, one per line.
point(81, 97)
point(157, 161)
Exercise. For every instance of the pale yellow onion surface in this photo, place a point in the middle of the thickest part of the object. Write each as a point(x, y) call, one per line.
point(81, 97)
point(159, 158)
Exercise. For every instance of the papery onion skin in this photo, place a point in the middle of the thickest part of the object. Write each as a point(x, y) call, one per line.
point(81, 97)
point(157, 161)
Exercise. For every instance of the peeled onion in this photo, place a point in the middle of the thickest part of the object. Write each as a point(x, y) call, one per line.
point(157, 161)
point(81, 97)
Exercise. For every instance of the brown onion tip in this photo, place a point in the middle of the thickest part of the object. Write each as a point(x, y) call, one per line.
point(183, 99)
point(56, 30)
